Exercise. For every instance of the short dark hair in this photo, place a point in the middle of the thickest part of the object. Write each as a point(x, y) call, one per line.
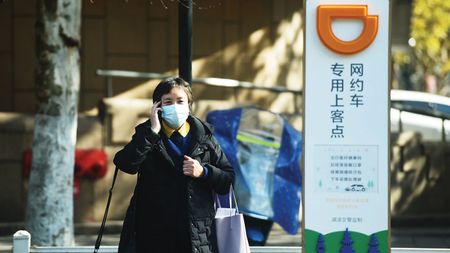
point(166, 85)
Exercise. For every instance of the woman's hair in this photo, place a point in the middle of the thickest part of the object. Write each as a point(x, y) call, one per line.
point(166, 85)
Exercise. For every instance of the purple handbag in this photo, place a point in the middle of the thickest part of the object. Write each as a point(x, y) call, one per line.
point(230, 228)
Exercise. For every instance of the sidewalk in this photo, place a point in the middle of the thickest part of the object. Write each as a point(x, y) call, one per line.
point(404, 237)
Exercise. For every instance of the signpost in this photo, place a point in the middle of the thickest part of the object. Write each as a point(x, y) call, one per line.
point(346, 126)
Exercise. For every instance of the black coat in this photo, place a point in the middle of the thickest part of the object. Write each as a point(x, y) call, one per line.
point(170, 212)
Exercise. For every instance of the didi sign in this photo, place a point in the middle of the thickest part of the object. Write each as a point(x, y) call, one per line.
point(327, 13)
point(346, 126)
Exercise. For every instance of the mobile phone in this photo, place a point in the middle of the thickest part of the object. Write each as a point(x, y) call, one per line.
point(159, 112)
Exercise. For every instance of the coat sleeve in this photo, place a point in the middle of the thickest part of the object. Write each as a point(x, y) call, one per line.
point(220, 172)
point(132, 155)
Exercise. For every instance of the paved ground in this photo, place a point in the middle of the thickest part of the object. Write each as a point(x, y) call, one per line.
point(401, 237)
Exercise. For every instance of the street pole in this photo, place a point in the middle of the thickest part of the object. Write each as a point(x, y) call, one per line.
point(185, 40)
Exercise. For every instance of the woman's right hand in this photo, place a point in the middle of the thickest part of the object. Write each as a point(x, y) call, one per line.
point(156, 125)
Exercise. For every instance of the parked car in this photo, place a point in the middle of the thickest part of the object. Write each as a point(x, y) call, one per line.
point(421, 112)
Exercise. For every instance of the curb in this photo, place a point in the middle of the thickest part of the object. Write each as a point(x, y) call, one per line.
point(91, 228)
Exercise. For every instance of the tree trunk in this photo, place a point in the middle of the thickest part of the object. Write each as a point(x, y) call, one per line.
point(50, 196)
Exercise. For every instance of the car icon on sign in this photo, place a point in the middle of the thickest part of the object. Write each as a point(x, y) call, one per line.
point(355, 188)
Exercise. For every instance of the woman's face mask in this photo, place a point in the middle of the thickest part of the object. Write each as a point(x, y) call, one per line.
point(175, 115)
point(175, 107)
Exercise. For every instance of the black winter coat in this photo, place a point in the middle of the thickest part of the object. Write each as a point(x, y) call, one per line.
point(170, 212)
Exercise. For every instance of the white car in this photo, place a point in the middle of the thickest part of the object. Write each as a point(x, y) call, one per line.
point(356, 187)
point(421, 112)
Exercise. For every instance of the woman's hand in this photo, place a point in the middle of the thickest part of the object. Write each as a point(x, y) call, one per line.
point(156, 125)
point(192, 167)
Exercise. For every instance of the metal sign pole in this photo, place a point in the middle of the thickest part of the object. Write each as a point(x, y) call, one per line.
point(185, 40)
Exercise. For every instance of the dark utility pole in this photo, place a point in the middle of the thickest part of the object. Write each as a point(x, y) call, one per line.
point(185, 40)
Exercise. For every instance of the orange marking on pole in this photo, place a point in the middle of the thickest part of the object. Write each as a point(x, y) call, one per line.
point(327, 13)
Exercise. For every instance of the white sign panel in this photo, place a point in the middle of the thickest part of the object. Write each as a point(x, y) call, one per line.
point(346, 123)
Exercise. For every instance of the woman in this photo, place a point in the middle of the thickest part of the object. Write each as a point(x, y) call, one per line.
point(180, 165)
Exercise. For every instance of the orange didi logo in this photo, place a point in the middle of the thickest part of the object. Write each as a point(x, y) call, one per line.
point(327, 13)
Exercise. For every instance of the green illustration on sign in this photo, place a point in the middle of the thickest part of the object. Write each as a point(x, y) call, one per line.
point(333, 241)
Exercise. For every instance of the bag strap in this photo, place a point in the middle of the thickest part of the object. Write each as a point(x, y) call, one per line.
point(234, 198)
point(230, 196)
point(102, 227)
point(216, 201)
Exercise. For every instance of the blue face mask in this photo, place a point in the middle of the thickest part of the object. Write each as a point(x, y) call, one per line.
point(175, 115)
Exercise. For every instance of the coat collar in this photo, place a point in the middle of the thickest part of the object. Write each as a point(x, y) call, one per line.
point(183, 130)
point(199, 128)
